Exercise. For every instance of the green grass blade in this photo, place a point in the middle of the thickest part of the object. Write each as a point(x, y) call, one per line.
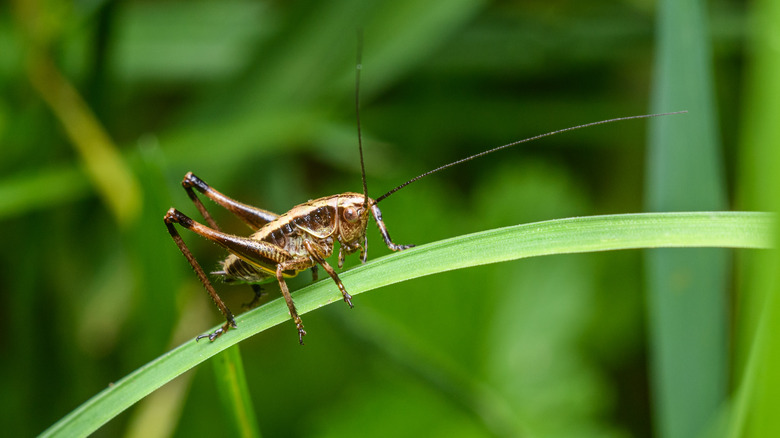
point(234, 393)
point(575, 235)
point(687, 289)
point(757, 364)
point(103, 162)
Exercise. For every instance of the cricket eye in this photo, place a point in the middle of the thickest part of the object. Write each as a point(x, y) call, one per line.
point(351, 215)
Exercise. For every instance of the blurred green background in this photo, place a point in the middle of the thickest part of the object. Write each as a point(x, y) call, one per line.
point(104, 106)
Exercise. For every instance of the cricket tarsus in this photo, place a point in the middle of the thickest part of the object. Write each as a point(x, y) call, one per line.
point(216, 333)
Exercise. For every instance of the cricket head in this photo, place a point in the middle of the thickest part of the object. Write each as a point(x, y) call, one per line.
point(352, 222)
point(353, 214)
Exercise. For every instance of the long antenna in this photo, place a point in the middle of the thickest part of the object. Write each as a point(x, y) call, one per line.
point(358, 67)
point(601, 122)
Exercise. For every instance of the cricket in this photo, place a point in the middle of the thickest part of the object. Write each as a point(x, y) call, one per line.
point(282, 246)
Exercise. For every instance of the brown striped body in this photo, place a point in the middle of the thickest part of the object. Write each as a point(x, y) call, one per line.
point(321, 222)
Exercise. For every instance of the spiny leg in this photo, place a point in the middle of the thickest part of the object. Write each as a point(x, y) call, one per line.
point(230, 322)
point(383, 231)
point(318, 257)
point(251, 250)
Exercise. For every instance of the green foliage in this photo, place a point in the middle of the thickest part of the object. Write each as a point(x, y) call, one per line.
point(257, 99)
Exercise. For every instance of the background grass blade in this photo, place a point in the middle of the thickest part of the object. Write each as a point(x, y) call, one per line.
point(687, 289)
point(586, 234)
point(233, 391)
point(757, 364)
point(103, 162)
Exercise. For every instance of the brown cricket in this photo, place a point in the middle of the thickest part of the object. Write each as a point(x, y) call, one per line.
point(304, 237)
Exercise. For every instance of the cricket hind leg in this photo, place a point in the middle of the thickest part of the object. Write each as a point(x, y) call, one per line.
point(254, 217)
point(230, 321)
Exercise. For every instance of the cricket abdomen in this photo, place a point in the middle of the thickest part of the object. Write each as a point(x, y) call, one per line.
point(235, 269)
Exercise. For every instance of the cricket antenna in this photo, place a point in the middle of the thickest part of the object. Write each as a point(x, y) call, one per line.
point(358, 67)
point(572, 128)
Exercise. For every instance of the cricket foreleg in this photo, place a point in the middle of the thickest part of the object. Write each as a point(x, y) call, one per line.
point(317, 255)
point(230, 322)
point(252, 216)
point(383, 230)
